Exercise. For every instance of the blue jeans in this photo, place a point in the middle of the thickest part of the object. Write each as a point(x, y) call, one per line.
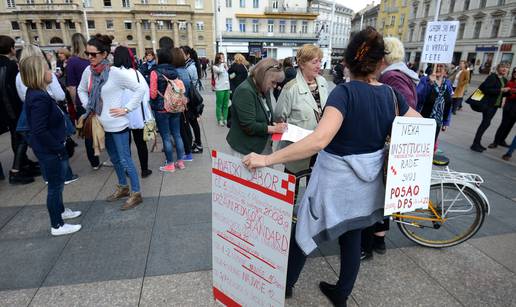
point(117, 146)
point(170, 124)
point(69, 173)
point(55, 168)
point(512, 148)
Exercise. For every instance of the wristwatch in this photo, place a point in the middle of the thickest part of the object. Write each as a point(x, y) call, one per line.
point(126, 110)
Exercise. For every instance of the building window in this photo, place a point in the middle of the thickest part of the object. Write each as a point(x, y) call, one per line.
point(48, 24)
point(229, 3)
point(274, 4)
point(58, 25)
point(199, 4)
point(200, 25)
point(229, 24)
point(160, 25)
point(482, 4)
point(91, 24)
point(304, 26)
point(85, 3)
point(148, 37)
point(109, 24)
point(130, 37)
point(427, 9)
point(125, 3)
point(270, 26)
point(422, 34)
point(402, 19)
point(460, 35)
point(414, 12)
point(145, 24)
point(11, 4)
point(15, 25)
point(466, 5)
point(496, 28)
point(70, 24)
point(501, 2)
point(201, 52)
point(30, 1)
point(282, 25)
point(144, 1)
point(411, 34)
point(48, 1)
point(241, 25)
point(200, 37)
point(393, 20)
point(513, 30)
point(256, 25)
point(165, 2)
point(293, 26)
point(129, 25)
point(182, 25)
point(452, 5)
point(107, 3)
point(180, 1)
point(256, 3)
point(478, 27)
point(242, 3)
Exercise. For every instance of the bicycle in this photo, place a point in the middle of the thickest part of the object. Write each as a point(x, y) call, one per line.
point(456, 210)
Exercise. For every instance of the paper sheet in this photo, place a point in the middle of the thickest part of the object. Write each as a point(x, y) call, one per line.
point(293, 134)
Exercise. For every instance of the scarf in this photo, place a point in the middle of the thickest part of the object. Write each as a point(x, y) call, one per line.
point(99, 77)
point(438, 108)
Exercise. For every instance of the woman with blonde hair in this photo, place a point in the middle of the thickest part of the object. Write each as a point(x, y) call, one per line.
point(302, 100)
point(237, 73)
point(47, 137)
point(251, 117)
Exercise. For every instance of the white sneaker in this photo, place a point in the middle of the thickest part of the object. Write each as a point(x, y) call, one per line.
point(66, 229)
point(68, 214)
point(73, 179)
point(107, 163)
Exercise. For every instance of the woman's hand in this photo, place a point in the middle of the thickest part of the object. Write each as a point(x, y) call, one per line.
point(443, 128)
point(506, 89)
point(254, 160)
point(118, 112)
point(277, 128)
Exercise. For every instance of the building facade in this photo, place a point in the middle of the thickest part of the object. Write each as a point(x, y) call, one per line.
point(393, 17)
point(137, 24)
point(341, 28)
point(261, 28)
point(486, 36)
point(365, 18)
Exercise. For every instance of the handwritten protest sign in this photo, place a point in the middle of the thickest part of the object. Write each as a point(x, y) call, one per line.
point(251, 224)
point(410, 164)
point(440, 40)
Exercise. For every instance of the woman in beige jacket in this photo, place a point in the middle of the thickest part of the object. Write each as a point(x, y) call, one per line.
point(302, 100)
point(459, 86)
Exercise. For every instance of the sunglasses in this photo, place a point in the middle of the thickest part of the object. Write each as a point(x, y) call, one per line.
point(277, 66)
point(93, 54)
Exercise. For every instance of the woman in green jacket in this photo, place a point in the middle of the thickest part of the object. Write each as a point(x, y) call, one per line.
point(251, 110)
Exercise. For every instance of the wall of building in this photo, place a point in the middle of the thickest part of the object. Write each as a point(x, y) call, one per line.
point(393, 17)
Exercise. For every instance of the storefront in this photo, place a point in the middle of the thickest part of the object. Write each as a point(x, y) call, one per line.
point(261, 48)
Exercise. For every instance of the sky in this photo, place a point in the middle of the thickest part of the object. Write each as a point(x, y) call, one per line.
point(356, 5)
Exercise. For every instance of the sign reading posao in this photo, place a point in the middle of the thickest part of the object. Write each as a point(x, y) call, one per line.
point(440, 40)
point(251, 224)
point(410, 164)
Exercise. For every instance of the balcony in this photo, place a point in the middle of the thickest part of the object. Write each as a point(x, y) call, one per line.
point(270, 36)
point(309, 13)
point(45, 7)
point(391, 10)
point(162, 9)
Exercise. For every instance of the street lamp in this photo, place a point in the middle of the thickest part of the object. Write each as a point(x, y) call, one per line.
point(85, 19)
point(499, 43)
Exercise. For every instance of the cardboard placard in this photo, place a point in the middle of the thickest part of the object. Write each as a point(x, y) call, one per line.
point(251, 224)
point(409, 170)
point(440, 40)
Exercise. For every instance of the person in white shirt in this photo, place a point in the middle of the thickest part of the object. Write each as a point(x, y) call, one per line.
point(100, 93)
point(220, 75)
point(124, 59)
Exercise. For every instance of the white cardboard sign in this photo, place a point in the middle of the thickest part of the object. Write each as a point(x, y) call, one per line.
point(410, 164)
point(251, 224)
point(440, 40)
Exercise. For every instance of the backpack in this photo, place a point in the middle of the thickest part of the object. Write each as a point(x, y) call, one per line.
point(174, 99)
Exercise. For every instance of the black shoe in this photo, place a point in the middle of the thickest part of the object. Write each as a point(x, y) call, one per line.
point(379, 245)
point(477, 148)
point(20, 178)
point(503, 144)
point(32, 171)
point(366, 255)
point(289, 292)
point(146, 173)
point(332, 293)
point(492, 145)
point(32, 164)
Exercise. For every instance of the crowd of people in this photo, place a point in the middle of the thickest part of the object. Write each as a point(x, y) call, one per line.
point(112, 98)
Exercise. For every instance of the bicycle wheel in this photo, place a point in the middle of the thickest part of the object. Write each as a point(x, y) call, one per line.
point(457, 217)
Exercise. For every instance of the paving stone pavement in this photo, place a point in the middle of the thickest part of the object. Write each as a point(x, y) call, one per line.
point(159, 254)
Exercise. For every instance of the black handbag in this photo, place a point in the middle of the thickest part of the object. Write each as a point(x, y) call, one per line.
point(476, 101)
point(196, 100)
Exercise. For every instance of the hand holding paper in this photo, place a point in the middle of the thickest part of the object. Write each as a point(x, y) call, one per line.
point(293, 134)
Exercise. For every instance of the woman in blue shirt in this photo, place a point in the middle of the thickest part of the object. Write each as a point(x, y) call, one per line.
point(47, 136)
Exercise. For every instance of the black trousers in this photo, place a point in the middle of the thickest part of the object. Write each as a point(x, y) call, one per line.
point(349, 244)
point(141, 148)
point(194, 123)
point(90, 152)
point(508, 120)
point(19, 146)
point(487, 116)
point(186, 134)
point(367, 241)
